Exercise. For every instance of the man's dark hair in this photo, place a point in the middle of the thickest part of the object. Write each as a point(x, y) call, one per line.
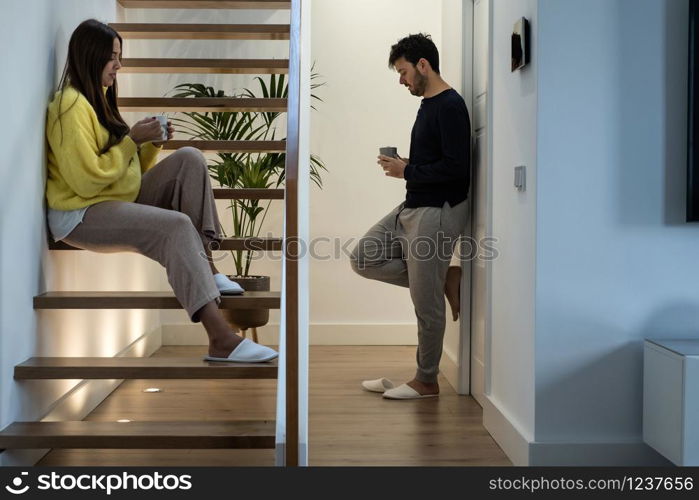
point(414, 48)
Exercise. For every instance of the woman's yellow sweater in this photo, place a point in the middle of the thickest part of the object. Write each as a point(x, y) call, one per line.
point(78, 175)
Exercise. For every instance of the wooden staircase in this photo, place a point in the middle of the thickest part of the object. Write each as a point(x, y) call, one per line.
point(202, 31)
point(139, 368)
point(229, 146)
point(174, 434)
point(206, 66)
point(146, 300)
point(143, 435)
point(206, 4)
point(201, 104)
point(227, 244)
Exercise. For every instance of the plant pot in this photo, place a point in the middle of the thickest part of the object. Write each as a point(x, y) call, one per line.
point(248, 318)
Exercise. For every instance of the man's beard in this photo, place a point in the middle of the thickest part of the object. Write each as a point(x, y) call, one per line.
point(419, 85)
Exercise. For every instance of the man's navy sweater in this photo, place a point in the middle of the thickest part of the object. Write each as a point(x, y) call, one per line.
point(440, 153)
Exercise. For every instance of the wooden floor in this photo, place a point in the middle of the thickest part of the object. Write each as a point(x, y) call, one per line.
point(347, 425)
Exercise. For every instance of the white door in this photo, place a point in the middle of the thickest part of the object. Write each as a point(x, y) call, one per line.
point(480, 293)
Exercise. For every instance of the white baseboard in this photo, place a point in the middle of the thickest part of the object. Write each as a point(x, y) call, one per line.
point(628, 454)
point(523, 452)
point(320, 334)
point(449, 368)
point(82, 399)
point(505, 433)
point(477, 381)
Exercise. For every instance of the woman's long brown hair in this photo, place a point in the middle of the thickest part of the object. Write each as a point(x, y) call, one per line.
point(90, 49)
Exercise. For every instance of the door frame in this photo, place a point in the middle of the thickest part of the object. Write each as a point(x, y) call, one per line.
point(469, 46)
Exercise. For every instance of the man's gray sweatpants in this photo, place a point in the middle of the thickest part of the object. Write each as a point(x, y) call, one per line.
point(412, 247)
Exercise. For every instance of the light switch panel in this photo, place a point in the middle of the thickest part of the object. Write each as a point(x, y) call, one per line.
point(521, 178)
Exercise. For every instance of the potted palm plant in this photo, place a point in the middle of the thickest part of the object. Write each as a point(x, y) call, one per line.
point(244, 170)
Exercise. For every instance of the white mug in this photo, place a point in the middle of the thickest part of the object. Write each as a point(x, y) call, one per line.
point(163, 125)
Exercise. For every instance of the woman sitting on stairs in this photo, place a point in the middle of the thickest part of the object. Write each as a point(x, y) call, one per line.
point(106, 193)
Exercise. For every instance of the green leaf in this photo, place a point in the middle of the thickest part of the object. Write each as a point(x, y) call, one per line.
point(245, 170)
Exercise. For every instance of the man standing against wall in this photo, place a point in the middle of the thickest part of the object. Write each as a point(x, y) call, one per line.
point(413, 244)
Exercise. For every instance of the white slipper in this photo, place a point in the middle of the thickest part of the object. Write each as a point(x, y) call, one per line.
point(226, 286)
point(406, 392)
point(378, 385)
point(248, 352)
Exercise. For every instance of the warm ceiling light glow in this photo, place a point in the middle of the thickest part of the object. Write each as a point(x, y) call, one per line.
point(123, 420)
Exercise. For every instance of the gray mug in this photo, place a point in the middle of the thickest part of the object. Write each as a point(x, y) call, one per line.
point(389, 151)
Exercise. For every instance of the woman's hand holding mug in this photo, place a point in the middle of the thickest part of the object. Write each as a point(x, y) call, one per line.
point(146, 130)
point(166, 128)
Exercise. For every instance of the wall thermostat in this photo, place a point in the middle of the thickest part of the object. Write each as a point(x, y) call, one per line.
point(520, 44)
point(521, 178)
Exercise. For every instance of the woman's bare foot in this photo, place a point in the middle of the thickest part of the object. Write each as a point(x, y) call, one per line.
point(222, 347)
point(423, 388)
point(222, 339)
point(452, 289)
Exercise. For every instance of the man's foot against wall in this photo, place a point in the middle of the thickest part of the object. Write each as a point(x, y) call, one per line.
point(452, 289)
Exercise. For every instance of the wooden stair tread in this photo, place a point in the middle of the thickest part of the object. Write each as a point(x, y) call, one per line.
point(228, 244)
point(139, 435)
point(248, 194)
point(206, 4)
point(141, 369)
point(152, 31)
point(202, 104)
point(229, 146)
point(147, 300)
point(205, 66)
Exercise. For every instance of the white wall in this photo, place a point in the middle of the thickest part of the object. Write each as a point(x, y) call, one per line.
point(513, 142)
point(615, 262)
point(456, 70)
point(35, 36)
point(364, 109)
